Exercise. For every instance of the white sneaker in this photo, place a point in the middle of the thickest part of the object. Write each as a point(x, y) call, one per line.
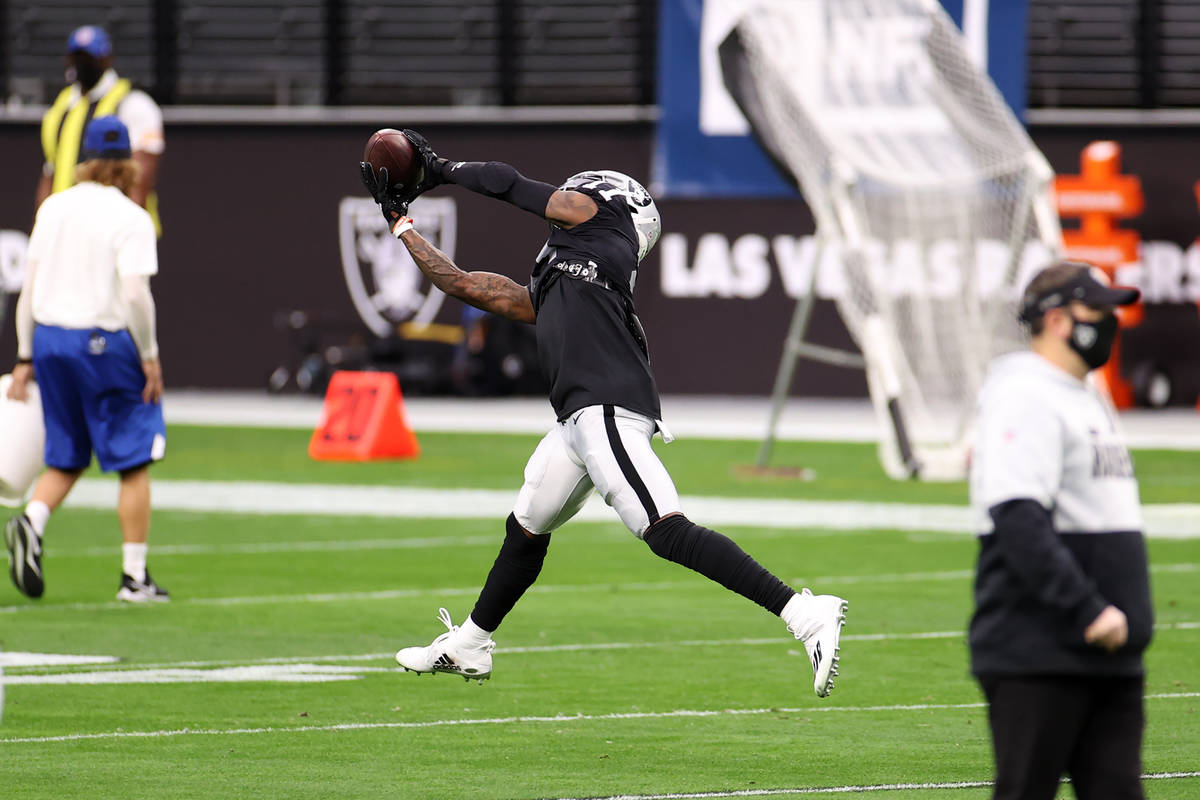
point(146, 591)
point(442, 655)
point(817, 621)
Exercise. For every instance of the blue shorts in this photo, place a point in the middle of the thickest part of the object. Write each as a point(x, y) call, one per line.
point(91, 383)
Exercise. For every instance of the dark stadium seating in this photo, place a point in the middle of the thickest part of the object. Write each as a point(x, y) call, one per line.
point(1114, 53)
point(361, 52)
point(35, 34)
point(1082, 53)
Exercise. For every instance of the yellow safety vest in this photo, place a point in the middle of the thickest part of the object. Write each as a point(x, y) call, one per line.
point(62, 135)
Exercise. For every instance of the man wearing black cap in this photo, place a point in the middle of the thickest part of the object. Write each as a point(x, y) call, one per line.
point(86, 328)
point(1062, 590)
point(96, 90)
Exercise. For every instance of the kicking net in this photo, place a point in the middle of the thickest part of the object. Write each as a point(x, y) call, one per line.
point(928, 196)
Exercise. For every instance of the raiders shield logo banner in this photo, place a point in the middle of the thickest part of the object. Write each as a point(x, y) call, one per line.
point(386, 286)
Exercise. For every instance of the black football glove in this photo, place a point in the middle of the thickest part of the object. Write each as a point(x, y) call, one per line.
point(431, 172)
point(392, 202)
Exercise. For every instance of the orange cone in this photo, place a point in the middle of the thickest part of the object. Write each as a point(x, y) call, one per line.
point(363, 419)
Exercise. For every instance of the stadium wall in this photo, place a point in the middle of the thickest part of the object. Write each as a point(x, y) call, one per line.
point(251, 218)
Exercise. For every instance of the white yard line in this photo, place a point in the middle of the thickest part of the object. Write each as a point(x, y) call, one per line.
point(558, 719)
point(340, 597)
point(693, 416)
point(1173, 520)
point(46, 663)
point(942, 575)
point(42, 660)
point(303, 546)
point(871, 787)
point(471, 591)
point(709, 417)
point(49, 662)
point(272, 673)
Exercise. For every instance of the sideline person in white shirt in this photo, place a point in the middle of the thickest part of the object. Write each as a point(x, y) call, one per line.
point(1063, 611)
point(86, 329)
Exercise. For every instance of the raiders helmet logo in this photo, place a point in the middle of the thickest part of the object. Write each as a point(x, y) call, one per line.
point(384, 283)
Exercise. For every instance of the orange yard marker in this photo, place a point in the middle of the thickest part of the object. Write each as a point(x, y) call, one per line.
point(363, 419)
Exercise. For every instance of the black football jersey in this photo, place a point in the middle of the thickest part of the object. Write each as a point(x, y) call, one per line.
point(590, 344)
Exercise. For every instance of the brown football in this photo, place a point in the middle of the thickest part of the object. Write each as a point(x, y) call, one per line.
point(390, 148)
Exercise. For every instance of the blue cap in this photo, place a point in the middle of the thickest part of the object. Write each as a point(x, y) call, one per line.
point(106, 137)
point(90, 39)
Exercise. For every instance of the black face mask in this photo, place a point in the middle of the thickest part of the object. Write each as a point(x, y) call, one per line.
point(1093, 340)
point(86, 73)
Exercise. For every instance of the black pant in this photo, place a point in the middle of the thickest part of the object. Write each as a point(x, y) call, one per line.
point(1087, 727)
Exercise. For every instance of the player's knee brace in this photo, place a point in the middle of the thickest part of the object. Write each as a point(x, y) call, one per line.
point(716, 556)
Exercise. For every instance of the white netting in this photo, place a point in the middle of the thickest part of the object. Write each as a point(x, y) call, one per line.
point(931, 194)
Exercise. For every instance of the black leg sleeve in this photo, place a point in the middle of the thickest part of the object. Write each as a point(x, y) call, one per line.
point(716, 556)
point(515, 570)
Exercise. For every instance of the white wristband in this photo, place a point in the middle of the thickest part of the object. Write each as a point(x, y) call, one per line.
point(401, 225)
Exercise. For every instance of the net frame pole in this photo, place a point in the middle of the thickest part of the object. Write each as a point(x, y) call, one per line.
point(795, 347)
point(917, 174)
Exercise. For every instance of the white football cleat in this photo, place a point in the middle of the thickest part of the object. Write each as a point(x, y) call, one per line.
point(817, 621)
point(442, 655)
point(146, 591)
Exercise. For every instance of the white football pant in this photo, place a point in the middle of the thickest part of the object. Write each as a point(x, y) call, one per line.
point(605, 447)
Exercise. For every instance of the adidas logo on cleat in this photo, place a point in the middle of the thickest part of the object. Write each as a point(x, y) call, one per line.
point(470, 663)
point(817, 621)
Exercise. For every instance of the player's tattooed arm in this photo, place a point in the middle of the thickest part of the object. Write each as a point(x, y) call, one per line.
point(485, 290)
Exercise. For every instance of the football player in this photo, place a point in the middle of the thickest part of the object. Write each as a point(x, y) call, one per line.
point(594, 354)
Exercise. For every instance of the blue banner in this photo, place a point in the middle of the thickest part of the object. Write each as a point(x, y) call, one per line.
point(703, 147)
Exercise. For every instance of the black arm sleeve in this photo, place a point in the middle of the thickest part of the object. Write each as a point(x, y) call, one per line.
point(1024, 535)
point(499, 180)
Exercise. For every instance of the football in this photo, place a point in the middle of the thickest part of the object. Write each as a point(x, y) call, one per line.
point(391, 149)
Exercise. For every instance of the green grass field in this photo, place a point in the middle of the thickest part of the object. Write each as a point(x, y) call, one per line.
point(270, 674)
